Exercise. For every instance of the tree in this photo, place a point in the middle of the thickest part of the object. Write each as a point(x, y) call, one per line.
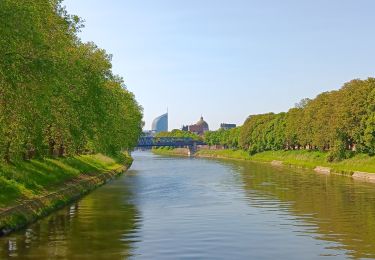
point(335, 121)
point(58, 96)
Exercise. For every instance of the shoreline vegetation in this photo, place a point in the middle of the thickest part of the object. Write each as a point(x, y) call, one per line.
point(334, 132)
point(360, 166)
point(340, 124)
point(59, 95)
point(170, 151)
point(303, 159)
point(39, 187)
point(31, 179)
point(65, 117)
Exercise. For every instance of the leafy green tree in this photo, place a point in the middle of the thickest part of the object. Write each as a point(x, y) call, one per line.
point(368, 122)
point(179, 134)
point(336, 121)
point(58, 96)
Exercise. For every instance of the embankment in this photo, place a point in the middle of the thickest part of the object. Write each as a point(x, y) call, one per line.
point(361, 166)
point(171, 151)
point(31, 190)
point(315, 160)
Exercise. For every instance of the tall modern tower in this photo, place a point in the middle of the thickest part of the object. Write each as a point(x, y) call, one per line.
point(160, 124)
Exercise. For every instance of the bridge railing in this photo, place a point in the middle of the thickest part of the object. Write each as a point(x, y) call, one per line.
point(167, 141)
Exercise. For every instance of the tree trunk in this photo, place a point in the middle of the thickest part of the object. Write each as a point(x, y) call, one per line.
point(51, 148)
point(7, 153)
point(61, 150)
point(31, 153)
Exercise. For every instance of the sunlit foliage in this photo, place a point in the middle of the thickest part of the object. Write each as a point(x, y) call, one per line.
point(58, 95)
point(340, 122)
point(179, 134)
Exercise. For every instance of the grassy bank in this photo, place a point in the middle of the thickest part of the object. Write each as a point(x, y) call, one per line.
point(306, 159)
point(31, 179)
point(170, 151)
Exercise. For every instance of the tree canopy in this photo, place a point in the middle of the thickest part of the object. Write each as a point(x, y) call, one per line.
point(179, 134)
point(58, 95)
point(336, 121)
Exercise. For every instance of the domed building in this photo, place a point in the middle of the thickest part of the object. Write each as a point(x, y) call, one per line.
point(200, 127)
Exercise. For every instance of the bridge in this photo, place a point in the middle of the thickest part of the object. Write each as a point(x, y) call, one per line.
point(149, 141)
point(176, 142)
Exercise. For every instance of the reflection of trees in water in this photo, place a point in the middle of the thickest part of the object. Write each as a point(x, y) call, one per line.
point(342, 210)
point(102, 226)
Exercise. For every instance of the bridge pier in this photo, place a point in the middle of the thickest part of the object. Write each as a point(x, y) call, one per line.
point(192, 149)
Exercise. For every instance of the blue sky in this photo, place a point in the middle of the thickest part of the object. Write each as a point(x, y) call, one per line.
point(229, 59)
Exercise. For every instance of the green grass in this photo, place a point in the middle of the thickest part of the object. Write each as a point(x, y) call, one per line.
point(169, 151)
point(28, 179)
point(306, 159)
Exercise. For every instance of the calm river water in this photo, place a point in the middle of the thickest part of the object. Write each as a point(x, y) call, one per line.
point(180, 208)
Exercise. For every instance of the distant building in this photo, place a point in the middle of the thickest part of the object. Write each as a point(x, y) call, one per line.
point(225, 126)
point(199, 128)
point(148, 133)
point(185, 128)
point(160, 124)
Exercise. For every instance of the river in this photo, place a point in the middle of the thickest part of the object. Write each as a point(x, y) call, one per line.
point(182, 208)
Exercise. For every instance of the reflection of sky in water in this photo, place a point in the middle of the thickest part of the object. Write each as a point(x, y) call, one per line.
point(193, 208)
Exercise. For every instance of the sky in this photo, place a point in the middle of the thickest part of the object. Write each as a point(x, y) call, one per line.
point(227, 60)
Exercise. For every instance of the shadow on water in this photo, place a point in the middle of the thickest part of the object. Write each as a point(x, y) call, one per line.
point(330, 208)
point(102, 225)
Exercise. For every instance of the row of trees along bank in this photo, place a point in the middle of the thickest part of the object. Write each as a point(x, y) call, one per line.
point(58, 95)
point(176, 133)
point(340, 122)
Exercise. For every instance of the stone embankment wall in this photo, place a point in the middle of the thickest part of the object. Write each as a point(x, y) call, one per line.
point(364, 176)
point(324, 170)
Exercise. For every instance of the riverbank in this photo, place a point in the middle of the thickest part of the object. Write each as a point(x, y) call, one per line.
point(171, 151)
point(30, 190)
point(303, 159)
point(357, 166)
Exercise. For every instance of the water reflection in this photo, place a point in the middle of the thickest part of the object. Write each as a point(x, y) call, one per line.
point(328, 208)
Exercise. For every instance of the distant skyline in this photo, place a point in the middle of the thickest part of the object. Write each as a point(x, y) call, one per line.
point(226, 60)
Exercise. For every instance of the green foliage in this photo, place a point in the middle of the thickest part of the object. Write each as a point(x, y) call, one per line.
point(338, 121)
point(300, 158)
point(179, 134)
point(58, 96)
point(263, 133)
point(369, 133)
point(170, 151)
point(227, 138)
point(368, 122)
point(338, 150)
